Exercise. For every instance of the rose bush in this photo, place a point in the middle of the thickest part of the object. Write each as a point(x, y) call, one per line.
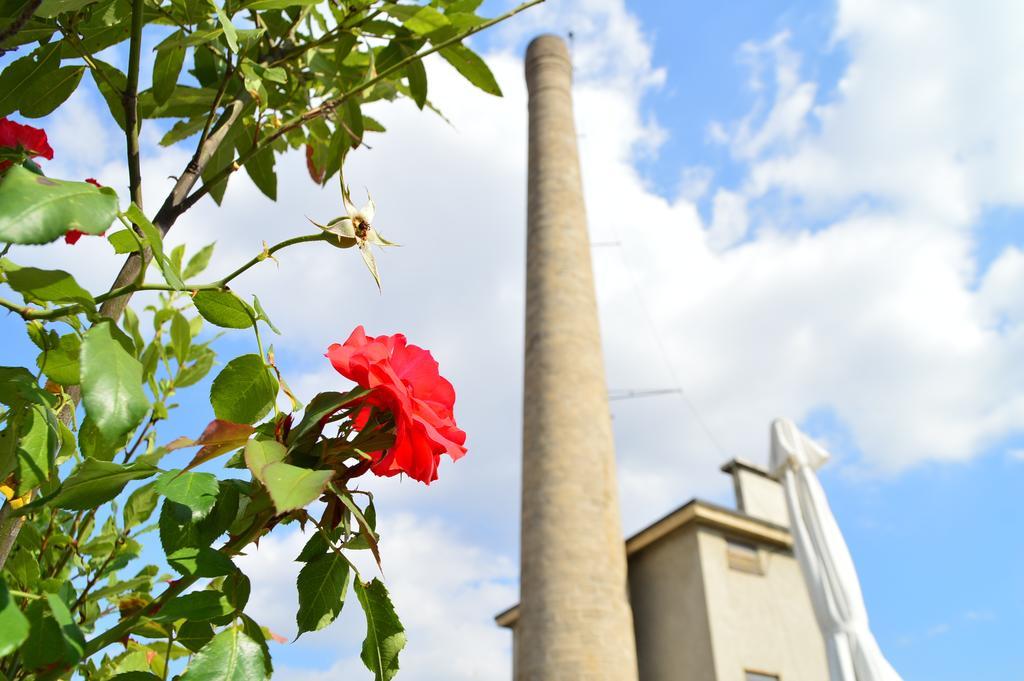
point(90, 479)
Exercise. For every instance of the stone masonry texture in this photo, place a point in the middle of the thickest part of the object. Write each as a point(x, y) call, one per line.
point(575, 620)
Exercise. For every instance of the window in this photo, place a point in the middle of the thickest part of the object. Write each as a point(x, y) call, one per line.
point(760, 676)
point(745, 558)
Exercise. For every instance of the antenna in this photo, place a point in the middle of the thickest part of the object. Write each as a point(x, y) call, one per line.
point(615, 395)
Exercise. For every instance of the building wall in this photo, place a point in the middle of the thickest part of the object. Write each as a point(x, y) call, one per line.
point(669, 611)
point(759, 496)
point(759, 622)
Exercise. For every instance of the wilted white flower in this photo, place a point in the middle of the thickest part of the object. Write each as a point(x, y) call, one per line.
point(355, 228)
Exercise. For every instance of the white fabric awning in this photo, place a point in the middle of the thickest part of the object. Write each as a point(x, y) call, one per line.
point(853, 652)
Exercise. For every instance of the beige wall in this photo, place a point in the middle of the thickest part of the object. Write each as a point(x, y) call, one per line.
point(760, 497)
point(669, 613)
point(760, 622)
point(698, 619)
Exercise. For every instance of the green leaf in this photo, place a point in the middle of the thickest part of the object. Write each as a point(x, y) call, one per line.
point(230, 32)
point(21, 74)
point(44, 286)
point(36, 447)
point(260, 635)
point(54, 638)
point(111, 383)
point(322, 584)
point(224, 512)
point(262, 315)
point(472, 68)
point(155, 241)
point(124, 241)
point(48, 93)
point(366, 528)
point(111, 83)
point(230, 656)
point(177, 530)
point(13, 625)
point(71, 635)
point(201, 561)
point(426, 20)
point(195, 372)
point(385, 635)
point(237, 589)
point(316, 547)
point(223, 308)
point(96, 482)
point(417, 75)
point(51, 8)
point(292, 487)
point(197, 606)
point(167, 68)
point(260, 169)
point(244, 391)
point(278, 4)
point(61, 364)
point(94, 445)
point(140, 505)
point(198, 491)
point(194, 635)
point(303, 435)
point(181, 337)
point(37, 210)
point(198, 262)
point(260, 453)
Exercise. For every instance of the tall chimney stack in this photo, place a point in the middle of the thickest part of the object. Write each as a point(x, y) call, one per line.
point(575, 619)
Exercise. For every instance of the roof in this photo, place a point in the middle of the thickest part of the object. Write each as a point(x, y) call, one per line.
point(698, 513)
point(734, 465)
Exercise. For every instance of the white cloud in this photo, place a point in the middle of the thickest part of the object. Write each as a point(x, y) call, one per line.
point(924, 116)
point(445, 590)
point(879, 314)
point(729, 220)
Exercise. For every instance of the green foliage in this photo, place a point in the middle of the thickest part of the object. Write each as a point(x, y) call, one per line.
point(84, 450)
point(224, 309)
point(96, 482)
point(37, 209)
point(385, 635)
point(231, 655)
point(322, 584)
point(198, 491)
point(13, 624)
point(111, 383)
point(244, 391)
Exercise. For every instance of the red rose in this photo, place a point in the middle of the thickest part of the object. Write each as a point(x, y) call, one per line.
point(31, 141)
point(403, 380)
point(73, 235)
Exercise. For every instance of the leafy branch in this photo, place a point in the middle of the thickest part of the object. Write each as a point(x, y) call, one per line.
point(331, 104)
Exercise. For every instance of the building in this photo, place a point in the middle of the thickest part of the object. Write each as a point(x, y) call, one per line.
point(717, 594)
point(704, 594)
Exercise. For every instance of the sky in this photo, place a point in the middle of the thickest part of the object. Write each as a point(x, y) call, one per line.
point(804, 209)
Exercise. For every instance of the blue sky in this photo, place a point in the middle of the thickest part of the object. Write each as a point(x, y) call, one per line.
point(818, 206)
